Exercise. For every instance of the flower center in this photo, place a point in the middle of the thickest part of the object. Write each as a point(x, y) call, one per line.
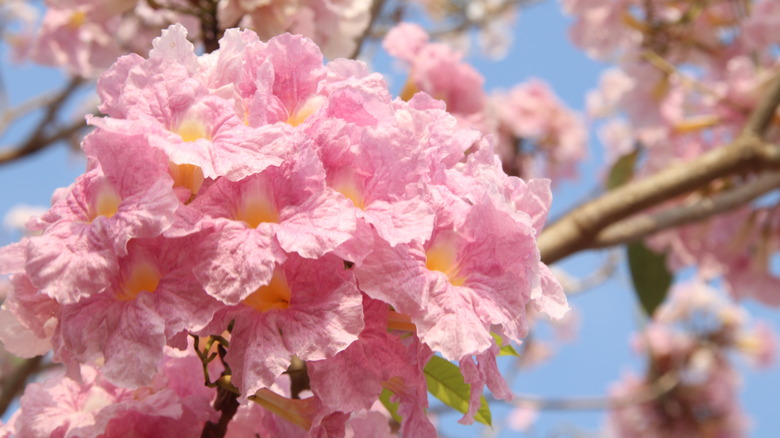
point(303, 111)
point(442, 256)
point(143, 277)
point(274, 295)
point(76, 20)
point(186, 175)
point(257, 206)
point(346, 182)
point(191, 130)
point(107, 201)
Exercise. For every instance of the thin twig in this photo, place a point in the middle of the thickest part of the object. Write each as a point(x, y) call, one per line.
point(659, 388)
point(576, 286)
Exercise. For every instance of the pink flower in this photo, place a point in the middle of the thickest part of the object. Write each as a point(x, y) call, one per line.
point(27, 319)
point(309, 308)
point(437, 70)
point(335, 25)
point(461, 283)
point(166, 99)
point(154, 300)
point(533, 125)
point(88, 228)
point(176, 402)
point(260, 219)
point(379, 359)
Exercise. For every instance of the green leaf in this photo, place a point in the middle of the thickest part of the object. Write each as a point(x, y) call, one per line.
point(649, 274)
point(391, 407)
point(504, 350)
point(623, 170)
point(508, 350)
point(446, 383)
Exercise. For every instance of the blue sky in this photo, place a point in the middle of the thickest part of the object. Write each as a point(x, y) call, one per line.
point(609, 315)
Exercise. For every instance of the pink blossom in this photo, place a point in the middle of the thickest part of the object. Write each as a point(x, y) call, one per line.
point(757, 29)
point(309, 308)
point(257, 221)
point(176, 402)
point(334, 25)
point(599, 27)
point(88, 228)
point(460, 283)
point(439, 71)
point(27, 319)
point(165, 98)
point(354, 378)
point(153, 301)
point(86, 36)
point(532, 125)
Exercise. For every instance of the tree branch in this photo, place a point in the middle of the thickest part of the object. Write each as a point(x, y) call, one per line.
point(578, 230)
point(16, 382)
point(376, 10)
point(635, 228)
point(38, 139)
point(37, 143)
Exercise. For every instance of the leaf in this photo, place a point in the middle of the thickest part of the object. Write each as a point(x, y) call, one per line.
point(446, 383)
point(623, 170)
point(391, 406)
point(649, 274)
point(504, 350)
point(508, 350)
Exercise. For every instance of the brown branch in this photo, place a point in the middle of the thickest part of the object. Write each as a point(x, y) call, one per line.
point(578, 230)
point(635, 228)
point(16, 382)
point(35, 143)
point(39, 137)
point(376, 10)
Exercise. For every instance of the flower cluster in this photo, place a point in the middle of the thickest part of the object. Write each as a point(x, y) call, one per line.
point(688, 345)
point(87, 36)
point(537, 136)
point(688, 76)
point(295, 211)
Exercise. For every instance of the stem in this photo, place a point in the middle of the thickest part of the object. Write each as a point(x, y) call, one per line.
point(227, 404)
